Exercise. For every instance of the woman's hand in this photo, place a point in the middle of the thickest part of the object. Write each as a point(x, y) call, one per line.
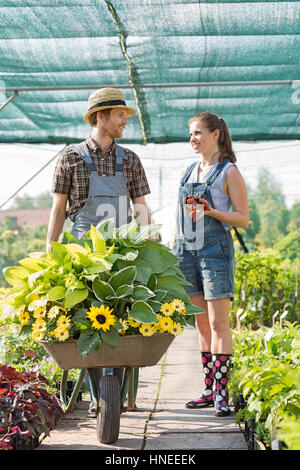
point(197, 207)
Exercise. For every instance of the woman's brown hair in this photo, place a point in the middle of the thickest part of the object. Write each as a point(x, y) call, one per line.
point(213, 122)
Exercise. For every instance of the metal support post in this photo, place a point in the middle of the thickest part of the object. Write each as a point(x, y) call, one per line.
point(9, 100)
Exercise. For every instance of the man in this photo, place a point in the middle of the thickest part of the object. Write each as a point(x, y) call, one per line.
point(98, 179)
point(87, 184)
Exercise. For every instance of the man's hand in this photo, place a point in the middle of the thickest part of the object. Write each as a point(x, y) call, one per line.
point(141, 213)
point(57, 218)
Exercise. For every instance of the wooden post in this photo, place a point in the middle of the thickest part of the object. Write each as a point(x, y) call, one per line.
point(282, 317)
point(274, 317)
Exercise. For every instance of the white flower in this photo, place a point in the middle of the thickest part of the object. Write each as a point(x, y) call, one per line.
point(38, 303)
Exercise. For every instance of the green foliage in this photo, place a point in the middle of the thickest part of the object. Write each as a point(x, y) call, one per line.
point(294, 223)
point(289, 246)
point(72, 291)
point(41, 201)
point(267, 189)
point(16, 244)
point(266, 371)
point(23, 202)
point(289, 432)
point(264, 284)
point(254, 223)
point(270, 219)
point(24, 354)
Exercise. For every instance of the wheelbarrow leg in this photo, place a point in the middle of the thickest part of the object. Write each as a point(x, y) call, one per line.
point(133, 387)
point(130, 387)
point(93, 378)
point(68, 406)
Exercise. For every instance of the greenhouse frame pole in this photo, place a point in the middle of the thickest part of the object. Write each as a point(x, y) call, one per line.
point(16, 92)
point(151, 85)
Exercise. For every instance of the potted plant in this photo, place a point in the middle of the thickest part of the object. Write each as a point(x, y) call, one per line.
point(115, 283)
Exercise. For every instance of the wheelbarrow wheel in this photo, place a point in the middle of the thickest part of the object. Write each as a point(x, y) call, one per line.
point(108, 418)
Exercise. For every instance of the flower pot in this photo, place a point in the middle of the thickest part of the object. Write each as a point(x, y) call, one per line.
point(131, 351)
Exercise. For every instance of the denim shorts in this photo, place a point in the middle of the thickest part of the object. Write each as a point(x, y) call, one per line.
point(210, 269)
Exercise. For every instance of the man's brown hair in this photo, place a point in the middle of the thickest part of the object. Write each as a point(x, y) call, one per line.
point(93, 117)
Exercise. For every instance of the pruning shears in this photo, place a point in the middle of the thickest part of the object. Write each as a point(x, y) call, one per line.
point(192, 201)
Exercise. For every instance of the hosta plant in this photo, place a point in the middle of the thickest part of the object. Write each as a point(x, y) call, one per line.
point(115, 281)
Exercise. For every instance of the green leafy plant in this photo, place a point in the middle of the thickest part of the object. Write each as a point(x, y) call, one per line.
point(265, 284)
point(26, 355)
point(289, 432)
point(114, 281)
point(266, 372)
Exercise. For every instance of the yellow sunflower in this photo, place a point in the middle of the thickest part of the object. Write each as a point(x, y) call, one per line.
point(64, 321)
point(39, 325)
point(24, 318)
point(178, 305)
point(146, 330)
point(37, 335)
point(167, 309)
point(101, 317)
point(61, 333)
point(156, 327)
point(133, 323)
point(125, 326)
point(176, 329)
point(166, 323)
point(39, 312)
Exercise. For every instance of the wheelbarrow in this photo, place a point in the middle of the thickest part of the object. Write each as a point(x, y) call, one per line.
point(119, 375)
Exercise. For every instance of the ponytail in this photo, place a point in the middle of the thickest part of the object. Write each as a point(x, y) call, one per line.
point(213, 122)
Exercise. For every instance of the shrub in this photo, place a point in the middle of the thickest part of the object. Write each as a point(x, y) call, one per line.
point(264, 284)
point(266, 371)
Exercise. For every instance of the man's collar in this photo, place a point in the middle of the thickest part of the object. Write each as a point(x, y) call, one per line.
point(95, 147)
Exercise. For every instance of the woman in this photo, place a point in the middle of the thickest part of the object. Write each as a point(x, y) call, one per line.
point(209, 188)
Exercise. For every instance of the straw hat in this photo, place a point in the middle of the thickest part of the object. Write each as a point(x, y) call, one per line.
point(105, 98)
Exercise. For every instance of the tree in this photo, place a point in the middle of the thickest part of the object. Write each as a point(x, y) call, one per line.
point(16, 244)
point(294, 217)
point(289, 246)
point(267, 188)
point(41, 201)
point(282, 220)
point(254, 223)
point(272, 210)
point(23, 202)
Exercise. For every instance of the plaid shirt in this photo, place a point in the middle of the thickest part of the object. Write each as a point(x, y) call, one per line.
point(71, 176)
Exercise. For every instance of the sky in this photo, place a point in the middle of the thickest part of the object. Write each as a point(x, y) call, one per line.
point(163, 164)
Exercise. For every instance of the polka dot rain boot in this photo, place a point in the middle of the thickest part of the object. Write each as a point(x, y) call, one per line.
point(206, 398)
point(221, 368)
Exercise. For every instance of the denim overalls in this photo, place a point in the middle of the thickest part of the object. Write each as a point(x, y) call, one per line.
point(108, 195)
point(205, 247)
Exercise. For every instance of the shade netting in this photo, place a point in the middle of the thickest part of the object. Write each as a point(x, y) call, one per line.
point(239, 59)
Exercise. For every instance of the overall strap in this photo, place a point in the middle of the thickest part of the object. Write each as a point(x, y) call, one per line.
point(83, 151)
point(120, 157)
point(216, 172)
point(212, 177)
point(188, 173)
